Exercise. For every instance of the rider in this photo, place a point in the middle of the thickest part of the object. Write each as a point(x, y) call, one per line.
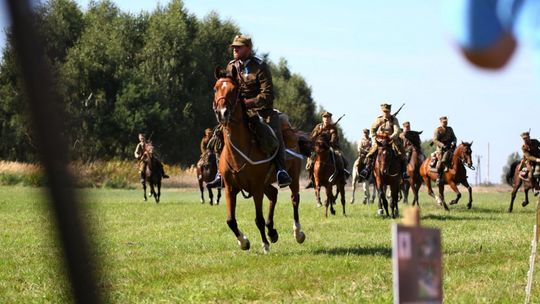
point(386, 124)
point(406, 128)
point(257, 93)
point(330, 129)
point(531, 157)
point(445, 141)
point(364, 145)
point(140, 156)
point(204, 142)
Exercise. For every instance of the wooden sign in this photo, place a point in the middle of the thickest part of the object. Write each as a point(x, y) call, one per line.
point(417, 263)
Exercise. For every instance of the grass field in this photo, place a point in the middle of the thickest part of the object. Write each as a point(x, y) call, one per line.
point(182, 251)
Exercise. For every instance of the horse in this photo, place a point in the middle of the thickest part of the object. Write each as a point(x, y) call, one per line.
point(152, 173)
point(327, 172)
point(387, 172)
point(369, 196)
point(514, 180)
point(244, 167)
point(453, 176)
point(206, 172)
point(414, 182)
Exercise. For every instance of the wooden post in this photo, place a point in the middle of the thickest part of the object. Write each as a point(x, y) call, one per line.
point(532, 257)
point(411, 217)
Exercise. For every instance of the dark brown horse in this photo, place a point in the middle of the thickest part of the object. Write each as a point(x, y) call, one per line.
point(206, 172)
point(244, 167)
point(414, 182)
point(514, 180)
point(327, 172)
point(153, 173)
point(387, 172)
point(453, 176)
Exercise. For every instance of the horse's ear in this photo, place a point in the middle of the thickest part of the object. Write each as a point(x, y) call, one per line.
point(462, 142)
point(471, 143)
point(219, 72)
point(234, 73)
point(420, 132)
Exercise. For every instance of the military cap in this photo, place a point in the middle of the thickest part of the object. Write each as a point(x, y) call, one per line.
point(386, 107)
point(525, 135)
point(406, 124)
point(326, 114)
point(443, 118)
point(366, 131)
point(241, 40)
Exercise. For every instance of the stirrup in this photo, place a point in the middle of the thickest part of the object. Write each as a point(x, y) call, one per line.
point(332, 178)
point(286, 178)
point(364, 173)
point(309, 185)
point(216, 183)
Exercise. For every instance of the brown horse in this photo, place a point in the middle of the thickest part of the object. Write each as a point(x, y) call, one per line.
point(414, 182)
point(387, 172)
point(514, 180)
point(453, 176)
point(206, 172)
point(153, 173)
point(327, 172)
point(244, 167)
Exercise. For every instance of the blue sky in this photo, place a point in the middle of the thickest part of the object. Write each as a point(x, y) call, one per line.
point(359, 54)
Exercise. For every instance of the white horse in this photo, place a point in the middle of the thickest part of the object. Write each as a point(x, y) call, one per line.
point(366, 184)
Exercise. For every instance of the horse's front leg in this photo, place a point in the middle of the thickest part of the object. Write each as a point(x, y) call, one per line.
point(330, 198)
point(383, 202)
point(341, 189)
point(201, 189)
point(469, 189)
point(230, 197)
point(158, 191)
point(259, 220)
point(210, 195)
point(271, 193)
point(394, 191)
point(353, 186)
point(415, 189)
point(318, 195)
point(144, 190)
point(454, 187)
point(440, 198)
point(218, 196)
point(299, 235)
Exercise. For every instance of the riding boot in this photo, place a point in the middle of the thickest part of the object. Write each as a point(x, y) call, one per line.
point(216, 183)
point(311, 184)
point(162, 170)
point(440, 172)
point(367, 169)
point(272, 118)
point(404, 169)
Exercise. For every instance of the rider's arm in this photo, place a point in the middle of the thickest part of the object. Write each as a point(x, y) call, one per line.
point(436, 140)
point(374, 128)
point(265, 97)
point(138, 151)
point(396, 129)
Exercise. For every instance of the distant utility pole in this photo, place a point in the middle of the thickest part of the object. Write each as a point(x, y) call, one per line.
point(478, 174)
point(488, 166)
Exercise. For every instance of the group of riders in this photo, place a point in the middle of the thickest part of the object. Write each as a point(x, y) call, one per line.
point(257, 95)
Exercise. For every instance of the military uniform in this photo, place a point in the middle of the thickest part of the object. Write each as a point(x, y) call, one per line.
point(204, 142)
point(389, 127)
point(445, 141)
point(331, 133)
point(257, 92)
point(364, 146)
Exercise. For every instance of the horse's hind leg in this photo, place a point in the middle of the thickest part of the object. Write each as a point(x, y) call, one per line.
point(469, 189)
point(353, 186)
point(271, 193)
point(218, 196)
point(144, 190)
point(299, 235)
point(454, 187)
point(158, 191)
point(342, 196)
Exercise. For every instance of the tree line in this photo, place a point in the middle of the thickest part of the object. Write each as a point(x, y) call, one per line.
point(120, 74)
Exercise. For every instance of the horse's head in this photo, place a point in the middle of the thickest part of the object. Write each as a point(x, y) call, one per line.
point(321, 143)
point(413, 137)
point(464, 153)
point(225, 95)
point(384, 152)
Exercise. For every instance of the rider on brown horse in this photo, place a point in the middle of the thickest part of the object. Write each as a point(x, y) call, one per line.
point(531, 158)
point(257, 93)
point(330, 130)
point(204, 142)
point(140, 155)
point(386, 124)
point(445, 141)
point(406, 128)
point(364, 145)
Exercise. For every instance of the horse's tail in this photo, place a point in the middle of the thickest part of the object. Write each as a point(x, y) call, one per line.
point(510, 173)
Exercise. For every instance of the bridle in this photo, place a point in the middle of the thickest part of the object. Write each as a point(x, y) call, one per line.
point(230, 105)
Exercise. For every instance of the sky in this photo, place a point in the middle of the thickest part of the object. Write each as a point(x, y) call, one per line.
point(356, 55)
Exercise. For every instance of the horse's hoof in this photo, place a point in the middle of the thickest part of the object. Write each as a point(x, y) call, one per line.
point(243, 242)
point(352, 202)
point(273, 235)
point(319, 205)
point(446, 207)
point(509, 210)
point(380, 212)
point(333, 211)
point(525, 203)
point(202, 201)
point(469, 205)
point(266, 248)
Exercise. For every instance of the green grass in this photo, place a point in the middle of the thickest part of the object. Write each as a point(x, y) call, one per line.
point(182, 251)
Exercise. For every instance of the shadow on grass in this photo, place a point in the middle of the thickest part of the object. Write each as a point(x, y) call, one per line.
point(373, 251)
point(449, 217)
